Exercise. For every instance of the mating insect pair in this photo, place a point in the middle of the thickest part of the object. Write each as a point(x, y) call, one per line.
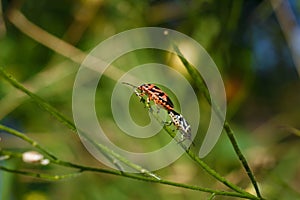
point(160, 98)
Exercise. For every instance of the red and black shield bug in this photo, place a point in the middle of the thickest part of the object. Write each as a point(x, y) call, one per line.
point(160, 98)
point(154, 94)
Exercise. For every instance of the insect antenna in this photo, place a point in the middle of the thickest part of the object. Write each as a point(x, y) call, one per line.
point(135, 87)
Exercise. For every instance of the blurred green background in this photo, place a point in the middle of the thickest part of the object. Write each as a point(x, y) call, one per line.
point(255, 45)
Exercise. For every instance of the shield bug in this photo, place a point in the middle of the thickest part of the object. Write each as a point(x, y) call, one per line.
point(153, 93)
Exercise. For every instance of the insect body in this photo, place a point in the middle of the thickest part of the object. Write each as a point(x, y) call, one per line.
point(155, 94)
point(159, 97)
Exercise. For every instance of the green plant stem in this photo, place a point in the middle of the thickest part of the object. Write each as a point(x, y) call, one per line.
point(83, 168)
point(202, 87)
point(39, 175)
point(241, 157)
point(61, 118)
point(212, 196)
point(112, 156)
point(199, 161)
point(28, 140)
point(133, 176)
point(69, 124)
point(194, 157)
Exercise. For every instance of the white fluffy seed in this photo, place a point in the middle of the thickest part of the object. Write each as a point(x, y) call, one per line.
point(32, 157)
point(45, 162)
